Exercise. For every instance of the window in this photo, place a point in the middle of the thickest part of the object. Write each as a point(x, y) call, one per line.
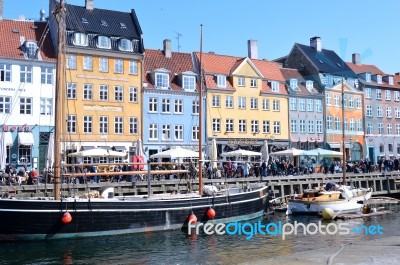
point(351, 102)
point(153, 131)
point(310, 105)
point(216, 125)
point(293, 126)
point(195, 133)
point(25, 74)
point(241, 81)
point(71, 123)
point(179, 132)
point(318, 105)
point(337, 124)
point(380, 128)
point(125, 45)
point(71, 90)
point(103, 64)
point(221, 81)
point(336, 100)
point(344, 101)
point(165, 105)
point(5, 72)
point(369, 111)
point(302, 104)
point(103, 90)
point(352, 127)
point(103, 124)
point(178, 106)
point(277, 127)
point(379, 112)
point(387, 95)
point(302, 126)
point(103, 42)
point(276, 105)
point(319, 126)
point(88, 63)
point(189, 83)
point(378, 94)
point(71, 61)
point(118, 66)
point(133, 67)
point(390, 80)
point(216, 101)
point(162, 80)
point(118, 93)
point(25, 151)
point(328, 99)
point(389, 129)
point(229, 102)
point(397, 112)
point(118, 125)
point(88, 91)
point(80, 39)
point(311, 126)
point(368, 77)
point(253, 103)
point(265, 104)
point(253, 82)
point(389, 112)
point(195, 107)
point(293, 84)
point(398, 133)
point(379, 79)
point(133, 94)
point(309, 85)
point(46, 75)
point(368, 92)
point(254, 126)
point(5, 104)
point(266, 127)
point(242, 103)
point(242, 126)
point(358, 103)
point(329, 122)
point(370, 128)
point(46, 106)
point(31, 49)
point(87, 124)
point(229, 125)
point(292, 103)
point(133, 125)
point(396, 96)
point(275, 86)
point(346, 128)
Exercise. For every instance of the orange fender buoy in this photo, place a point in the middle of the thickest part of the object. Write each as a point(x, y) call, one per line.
point(210, 213)
point(192, 218)
point(66, 218)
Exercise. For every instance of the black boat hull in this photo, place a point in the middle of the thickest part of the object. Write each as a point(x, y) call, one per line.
point(34, 219)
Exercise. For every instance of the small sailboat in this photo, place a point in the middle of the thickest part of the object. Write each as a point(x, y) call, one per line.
point(103, 214)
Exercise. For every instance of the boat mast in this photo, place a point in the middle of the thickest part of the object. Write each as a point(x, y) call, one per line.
point(59, 91)
point(201, 114)
point(344, 167)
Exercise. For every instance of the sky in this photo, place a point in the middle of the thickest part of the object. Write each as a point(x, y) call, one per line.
point(368, 27)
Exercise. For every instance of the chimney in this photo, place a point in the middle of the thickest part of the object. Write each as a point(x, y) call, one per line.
point(167, 48)
point(1, 10)
point(315, 43)
point(356, 58)
point(89, 4)
point(42, 14)
point(398, 73)
point(252, 47)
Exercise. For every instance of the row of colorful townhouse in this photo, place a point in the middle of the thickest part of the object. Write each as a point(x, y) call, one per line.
point(118, 92)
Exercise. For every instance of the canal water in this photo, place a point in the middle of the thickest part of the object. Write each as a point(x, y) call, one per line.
point(176, 247)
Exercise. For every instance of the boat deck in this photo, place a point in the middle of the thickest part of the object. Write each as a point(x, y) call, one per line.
point(361, 215)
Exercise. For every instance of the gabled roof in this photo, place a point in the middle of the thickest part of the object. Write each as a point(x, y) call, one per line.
point(129, 28)
point(177, 64)
point(326, 61)
point(289, 73)
point(373, 70)
point(12, 32)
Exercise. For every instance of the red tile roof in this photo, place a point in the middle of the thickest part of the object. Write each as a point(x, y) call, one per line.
point(289, 73)
point(178, 63)
point(12, 31)
point(373, 70)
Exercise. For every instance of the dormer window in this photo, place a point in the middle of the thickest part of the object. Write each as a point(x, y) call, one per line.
point(379, 79)
point(103, 23)
point(80, 39)
point(31, 49)
point(367, 77)
point(103, 42)
point(221, 81)
point(390, 80)
point(275, 86)
point(84, 20)
point(293, 84)
point(162, 80)
point(188, 83)
point(123, 25)
point(310, 85)
point(125, 45)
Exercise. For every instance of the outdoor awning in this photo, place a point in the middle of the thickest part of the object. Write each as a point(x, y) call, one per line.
point(87, 147)
point(25, 138)
point(119, 148)
point(8, 139)
point(105, 147)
